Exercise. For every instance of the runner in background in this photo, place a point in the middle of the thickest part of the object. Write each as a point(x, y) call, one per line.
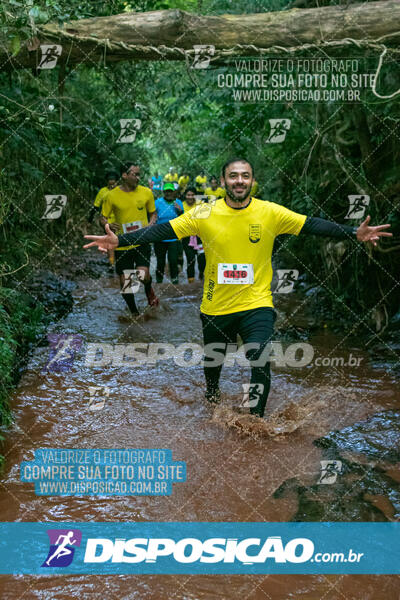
point(156, 185)
point(179, 196)
point(190, 243)
point(254, 188)
point(112, 179)
point(183, 182)
point(215, 191)
point(127, 208)
point(171, 176)
point(167, 208)
point(201, 182)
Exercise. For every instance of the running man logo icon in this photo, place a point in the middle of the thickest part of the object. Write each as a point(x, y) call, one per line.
point(132, 279)
point(252, 393)
point(357, 206)
point(202, 55)
point(286, 280)
point(129, 128)
point(62, 351)
point(50, 54)
point(61, 551)
point(97, 396)
point(203, 207)
point(330, 469)
point(54, 206)
point(279, 129)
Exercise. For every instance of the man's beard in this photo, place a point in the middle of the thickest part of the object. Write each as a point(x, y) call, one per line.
point(238, 196)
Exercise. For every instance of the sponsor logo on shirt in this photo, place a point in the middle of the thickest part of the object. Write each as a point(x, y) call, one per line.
point(254, 233)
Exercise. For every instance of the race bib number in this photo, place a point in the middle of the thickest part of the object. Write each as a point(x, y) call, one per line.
point(235, 273)
point(129, 227)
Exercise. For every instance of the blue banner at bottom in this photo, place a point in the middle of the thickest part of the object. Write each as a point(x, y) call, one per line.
point(199, 548)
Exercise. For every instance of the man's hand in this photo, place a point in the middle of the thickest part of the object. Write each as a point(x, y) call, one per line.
point(115, 227)
point(365, 233)
point(103, 242)
point(177, 207)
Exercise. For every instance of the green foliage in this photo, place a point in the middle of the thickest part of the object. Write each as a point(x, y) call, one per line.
point(20, 324)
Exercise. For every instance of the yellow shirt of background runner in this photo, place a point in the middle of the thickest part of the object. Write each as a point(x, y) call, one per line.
point(244, 236)
point(254, 188)
point(100, 195)
point(128, 207)
point(200, 182)
point(99, 200)
point(171, 177)
point(218, 193)
point(186, 206)
point(183, 181)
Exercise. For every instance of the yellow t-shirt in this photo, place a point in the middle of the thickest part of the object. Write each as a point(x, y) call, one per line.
point(200, 183)
point(171, 177)
point(254, 188)
point(99, 200)
point(237, 243)
point(130, 208)
point(186, 206)
point(218, 193)
point(100, 195)
point(183, 181)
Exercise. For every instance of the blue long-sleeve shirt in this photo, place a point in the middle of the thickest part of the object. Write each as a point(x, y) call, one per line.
point(166, 211)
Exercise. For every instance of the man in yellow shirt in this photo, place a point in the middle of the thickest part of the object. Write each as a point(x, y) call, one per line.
point(254, 188)
point(171, 176)
point(112, 178)
point(238, 233)
point(127, 208)
point(183, 182)
point(201, 182)
point(215, 191)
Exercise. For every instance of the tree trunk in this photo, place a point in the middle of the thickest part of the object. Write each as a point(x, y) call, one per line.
point(167, 35)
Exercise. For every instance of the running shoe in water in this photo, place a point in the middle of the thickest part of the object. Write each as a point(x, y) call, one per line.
point(152, 299)
point(213, 396)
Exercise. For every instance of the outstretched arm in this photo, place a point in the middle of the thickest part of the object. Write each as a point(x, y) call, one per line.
point(363, 233)
point(110, 241)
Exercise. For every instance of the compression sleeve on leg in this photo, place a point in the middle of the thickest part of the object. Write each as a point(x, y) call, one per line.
point(317, 226)
point(155, 233)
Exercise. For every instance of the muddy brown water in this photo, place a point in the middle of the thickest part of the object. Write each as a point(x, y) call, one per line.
point(234, 464)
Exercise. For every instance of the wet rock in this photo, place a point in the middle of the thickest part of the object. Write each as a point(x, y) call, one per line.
point(377, 437)
point(82, 265)
point(353, 497)
point(363, 489)
point(53, 292)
